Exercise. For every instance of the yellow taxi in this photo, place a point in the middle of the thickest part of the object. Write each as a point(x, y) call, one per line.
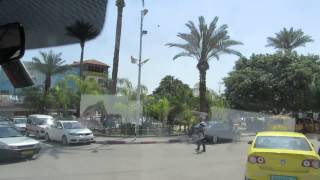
point(282, 156)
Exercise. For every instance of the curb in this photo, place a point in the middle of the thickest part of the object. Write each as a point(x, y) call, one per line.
point(116, 142)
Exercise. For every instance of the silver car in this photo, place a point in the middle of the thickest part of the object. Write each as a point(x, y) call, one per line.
point(19, 122)
point(14, 145)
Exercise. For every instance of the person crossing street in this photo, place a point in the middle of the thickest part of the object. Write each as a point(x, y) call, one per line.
point(201, 137)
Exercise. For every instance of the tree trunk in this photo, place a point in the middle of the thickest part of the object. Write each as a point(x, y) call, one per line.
point(81, 61)
point(117, 48)
point(203, 66)
point(47, 84)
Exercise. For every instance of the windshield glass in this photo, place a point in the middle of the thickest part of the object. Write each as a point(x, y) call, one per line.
point(20, 120)
point(44, 121)
point(6, 132)
point(282, 142)
point(72, 125)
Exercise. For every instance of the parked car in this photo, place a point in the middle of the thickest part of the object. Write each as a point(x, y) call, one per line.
point(19, 122)
point(14, 145)
point(37, 123)
point(68, 132)
point(4, 119)
point(282, 155)
point(216, 131)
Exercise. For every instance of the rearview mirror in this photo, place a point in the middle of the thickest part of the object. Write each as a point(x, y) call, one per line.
point(249, 142)
point(12, 42)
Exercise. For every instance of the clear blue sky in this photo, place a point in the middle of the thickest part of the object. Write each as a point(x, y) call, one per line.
point(249, 21)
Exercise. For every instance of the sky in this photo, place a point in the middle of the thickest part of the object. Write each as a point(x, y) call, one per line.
point(249, 21)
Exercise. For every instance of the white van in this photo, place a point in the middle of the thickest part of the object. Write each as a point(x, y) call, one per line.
point(37, 123)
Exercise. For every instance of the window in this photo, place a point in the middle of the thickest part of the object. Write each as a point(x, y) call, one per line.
point(282, 142)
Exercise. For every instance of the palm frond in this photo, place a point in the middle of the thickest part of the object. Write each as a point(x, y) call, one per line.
point(288, 40)
point(205, 42)
point(82, 31)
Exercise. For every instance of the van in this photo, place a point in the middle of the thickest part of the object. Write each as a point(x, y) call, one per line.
point(37, 123)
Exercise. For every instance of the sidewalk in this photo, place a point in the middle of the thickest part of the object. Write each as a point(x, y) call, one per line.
point(142, 140)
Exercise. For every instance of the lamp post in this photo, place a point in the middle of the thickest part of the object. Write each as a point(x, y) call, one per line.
point(139, 62)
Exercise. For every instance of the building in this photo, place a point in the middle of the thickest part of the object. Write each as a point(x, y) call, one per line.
point(10, 103)
point(93, 69)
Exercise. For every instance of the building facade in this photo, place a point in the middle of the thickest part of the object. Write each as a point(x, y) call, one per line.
point(93, 69)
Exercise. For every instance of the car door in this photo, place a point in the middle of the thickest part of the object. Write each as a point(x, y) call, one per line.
point(58, 131)
point(221, 130)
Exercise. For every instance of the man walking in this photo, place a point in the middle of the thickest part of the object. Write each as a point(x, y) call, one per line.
point(201, 137)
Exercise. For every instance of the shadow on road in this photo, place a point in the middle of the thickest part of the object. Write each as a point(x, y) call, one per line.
point(55, 149)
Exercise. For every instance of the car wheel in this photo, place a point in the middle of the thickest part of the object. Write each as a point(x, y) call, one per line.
point(214, 139)
point(64, 140)
point(47, 137)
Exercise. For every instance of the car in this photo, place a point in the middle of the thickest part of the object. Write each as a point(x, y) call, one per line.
point(69, 132)
point(37, 123)
point(14, 145)
point(282, 156)
point(19, 122)
point(4, 119)
point(217, 131)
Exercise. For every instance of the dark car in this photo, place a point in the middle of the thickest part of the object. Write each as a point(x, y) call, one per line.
point(216, 131)
point(14, 145)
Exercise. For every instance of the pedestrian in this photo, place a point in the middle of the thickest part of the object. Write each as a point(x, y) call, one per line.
point(201, 137)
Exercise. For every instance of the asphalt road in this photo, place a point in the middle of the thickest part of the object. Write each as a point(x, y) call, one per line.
point(131, 162)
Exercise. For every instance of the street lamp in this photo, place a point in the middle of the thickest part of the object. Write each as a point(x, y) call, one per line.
point(139, 62)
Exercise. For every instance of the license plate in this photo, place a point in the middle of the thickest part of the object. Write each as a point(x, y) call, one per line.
point(283, 178)
point(26, 153)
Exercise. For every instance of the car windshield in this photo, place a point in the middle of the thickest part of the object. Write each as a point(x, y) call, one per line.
point(6, 132)
point(72, 125)
point(282, 142)
point(44, 121)
point(20, 120)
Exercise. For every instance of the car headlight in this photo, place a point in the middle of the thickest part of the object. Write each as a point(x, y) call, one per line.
point(13, 147)
point(4, 146)
point(37, 145)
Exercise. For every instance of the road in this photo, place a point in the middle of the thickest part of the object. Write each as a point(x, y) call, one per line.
point(131, 162)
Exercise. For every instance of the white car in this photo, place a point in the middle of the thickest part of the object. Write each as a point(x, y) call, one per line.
point(69, 132)
point(37, 123)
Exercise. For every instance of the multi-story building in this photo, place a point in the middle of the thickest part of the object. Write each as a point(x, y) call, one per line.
point(93, 69)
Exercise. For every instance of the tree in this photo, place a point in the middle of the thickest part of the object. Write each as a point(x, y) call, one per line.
point(177, 93)
point(125, 88)
point(33, 99)
point(287, 40)
point(50, 64)
point(83, 31)
point(205, 43)
point(120, 4)
point(86, 86)
point(274, 83)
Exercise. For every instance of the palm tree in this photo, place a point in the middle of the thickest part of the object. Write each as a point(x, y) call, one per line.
point(287, 40)
point(82, 31)
point(120, 4)
point(205, 43)
point(50, 64)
